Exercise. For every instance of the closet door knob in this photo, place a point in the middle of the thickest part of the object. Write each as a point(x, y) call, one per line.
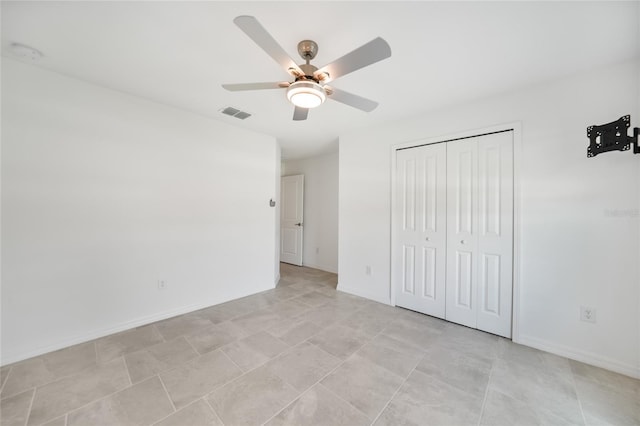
point(427, 239)
point(461, 241)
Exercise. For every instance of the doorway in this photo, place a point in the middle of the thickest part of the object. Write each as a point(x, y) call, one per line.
point(320, 224)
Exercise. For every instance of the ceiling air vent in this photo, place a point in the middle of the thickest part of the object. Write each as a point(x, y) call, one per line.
point(234, 112)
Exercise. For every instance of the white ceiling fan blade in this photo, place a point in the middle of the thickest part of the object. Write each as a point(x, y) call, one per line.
point(256, 32)
point(255, 86)
point(300, 114)
point(370, 53)
point(350, 99)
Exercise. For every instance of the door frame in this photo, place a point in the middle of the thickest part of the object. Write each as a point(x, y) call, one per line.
point(516, 127)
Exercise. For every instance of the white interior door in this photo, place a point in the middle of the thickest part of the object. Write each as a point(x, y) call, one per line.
point(480, 232)
point(291, 219)
point(420, 230)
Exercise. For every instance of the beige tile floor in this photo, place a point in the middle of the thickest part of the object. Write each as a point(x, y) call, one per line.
point(304, 353)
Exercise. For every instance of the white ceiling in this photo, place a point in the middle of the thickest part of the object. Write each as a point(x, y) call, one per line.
point(443, 53)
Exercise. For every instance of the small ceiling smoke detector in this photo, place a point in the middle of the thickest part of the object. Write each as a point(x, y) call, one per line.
point(25, 52)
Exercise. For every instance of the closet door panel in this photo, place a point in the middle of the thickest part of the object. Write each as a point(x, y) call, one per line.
point(462, 207)
point(418, 270)
point(495, 239)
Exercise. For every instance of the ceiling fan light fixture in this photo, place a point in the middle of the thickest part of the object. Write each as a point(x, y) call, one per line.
point(306, 94)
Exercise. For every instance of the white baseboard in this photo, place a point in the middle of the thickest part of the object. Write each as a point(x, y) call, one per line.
point(358, 292)
point(321, 267)
point(22, 354)
point(582, 356)
point(277, 279)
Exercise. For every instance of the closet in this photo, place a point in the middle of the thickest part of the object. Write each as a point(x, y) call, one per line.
point(453, 231)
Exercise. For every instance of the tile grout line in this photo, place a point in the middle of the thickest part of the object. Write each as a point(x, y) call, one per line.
point(126, 368)
point(281, 354)
point(45, 384)
point(155, 327)
point(66, 414)
point(219, 349)
point(424, 354)
point(213, 409)
point(5, 383)
point(65, 376)
point(221, 385)
point(192, 347)
point(311, 386)
point(486, 391)
point(534, 408)
point(191, 361)
point(234, 363)
point(575, 387)
point(325, 376)
point(398, 390)
point(297, 397)
point(167, 393)
point(33, 397)
point(342, 399)
point(56, 379)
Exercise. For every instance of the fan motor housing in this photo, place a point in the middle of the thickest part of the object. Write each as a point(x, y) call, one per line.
point(308, 70)
point(308, 49)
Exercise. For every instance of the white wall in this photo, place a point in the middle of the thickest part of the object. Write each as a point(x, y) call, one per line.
point(579, 222)
point(320, 246)
point(104, 194)
point(638, 179)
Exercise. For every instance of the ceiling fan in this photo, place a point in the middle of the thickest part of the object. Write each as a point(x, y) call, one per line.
point(309, 88)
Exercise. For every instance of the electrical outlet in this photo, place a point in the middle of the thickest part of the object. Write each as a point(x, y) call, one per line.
point(162, 284)
point(367, 270)
point(587, 314)
point(317, 250)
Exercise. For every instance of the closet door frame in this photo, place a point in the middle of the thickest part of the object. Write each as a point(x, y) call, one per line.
point(516, 127)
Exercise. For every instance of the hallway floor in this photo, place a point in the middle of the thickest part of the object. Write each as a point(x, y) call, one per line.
point(305, 353)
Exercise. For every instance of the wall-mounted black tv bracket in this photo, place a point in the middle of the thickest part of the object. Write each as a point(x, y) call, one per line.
point(612, 137)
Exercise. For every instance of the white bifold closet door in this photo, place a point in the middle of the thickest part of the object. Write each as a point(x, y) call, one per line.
point(421, 229)
point(480, 232)
point(453, 231)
